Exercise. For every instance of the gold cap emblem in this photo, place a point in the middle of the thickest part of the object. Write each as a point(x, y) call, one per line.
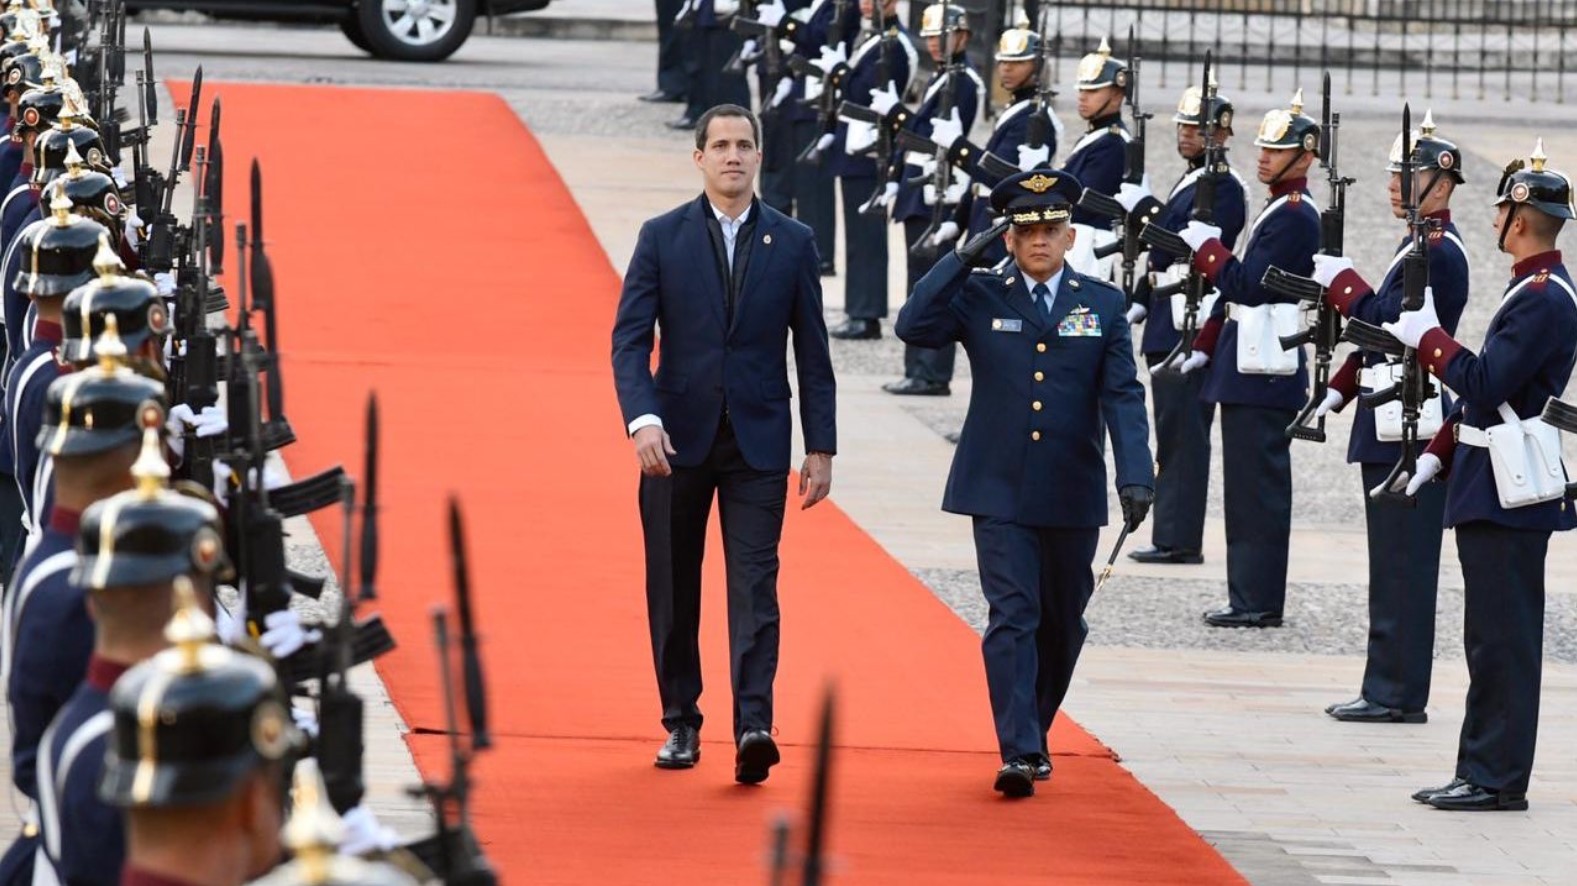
point(1039, 183)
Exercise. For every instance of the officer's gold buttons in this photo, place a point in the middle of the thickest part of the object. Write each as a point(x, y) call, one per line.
point(1040, 376)
point(1034, 435)
point(1035, 406)
point(1438, 353)
point(1040, 347)
point(1347, 291)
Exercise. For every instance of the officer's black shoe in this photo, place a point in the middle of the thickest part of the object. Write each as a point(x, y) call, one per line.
point(657, 96)
point(828, 269)
point(1158, 554)
point(1016, 778)
point(852, 329)
point(682, 750)
point(757, 754)
point(1362, 710)
point(918, 387)
point(1227, 617)
point(684, 122)
point(1469, 797)
point(1424, 795)
point(1042, 768)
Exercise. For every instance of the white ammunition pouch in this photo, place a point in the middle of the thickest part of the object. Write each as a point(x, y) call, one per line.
point(1260, 328)
point(1525, 455)
point(1082, 258)
point(1388, 417)
point(1178, 273)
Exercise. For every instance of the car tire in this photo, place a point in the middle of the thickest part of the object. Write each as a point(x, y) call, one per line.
point(351, 27)
point(415, 30)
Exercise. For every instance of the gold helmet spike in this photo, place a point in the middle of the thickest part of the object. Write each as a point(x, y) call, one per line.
point(1297, 101)
point(150, 468)
point(110, 350)
point(1105, 48)
point(60, 204)
point(106, 262)
point(1426, 129)
point(74, 161)
point(315, 830)
point(190, 629)
point(1021, 19)
point(1538, 157)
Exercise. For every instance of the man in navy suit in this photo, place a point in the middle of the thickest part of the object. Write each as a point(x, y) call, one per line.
point(728, 278)
point(1053, 364)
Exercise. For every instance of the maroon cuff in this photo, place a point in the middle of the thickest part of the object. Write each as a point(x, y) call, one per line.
point(1205, 341)
point(1444, 444)
point(1345, 381)
point(1210, 258)
point(1347, 288)
point(1436, 350)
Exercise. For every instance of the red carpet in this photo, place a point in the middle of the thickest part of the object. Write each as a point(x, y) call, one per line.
point(454, 273)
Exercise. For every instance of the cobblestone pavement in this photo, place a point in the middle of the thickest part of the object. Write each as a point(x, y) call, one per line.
point(1224, 726)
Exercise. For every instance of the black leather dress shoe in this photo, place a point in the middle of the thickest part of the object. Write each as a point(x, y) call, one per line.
point(685, 122)
point(757, 754)
point(828, 269)
point(918, 387)
point(1166, 555)
point(1043, 768)
point(682, 750)
point(1424, 795)
point(1227, 617)
point(657, 96)
point(852, 329)
point(1362, 710)
point(1469, 797)
point(1016, 778)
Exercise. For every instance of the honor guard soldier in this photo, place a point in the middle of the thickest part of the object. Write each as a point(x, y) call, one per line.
point(1505, 489)
point(314, 836)
point(946, 113)
point(20, 72)
point(1053, 368)
point(1404, 543)
point(92, 431)
point(1258, 386)
point(1098, 157)
point(57, 257)
point(711, 45)
point(132, 548)
point(865, 234)
point(198, 756)
point(1182, 419)
point(36, 112)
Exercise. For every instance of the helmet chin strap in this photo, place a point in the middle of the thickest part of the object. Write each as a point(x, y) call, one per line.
point(1296, 155)
point(1511, 212)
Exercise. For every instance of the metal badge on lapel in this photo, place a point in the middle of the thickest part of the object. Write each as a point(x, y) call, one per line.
point(1009, 324)
point(767, 239)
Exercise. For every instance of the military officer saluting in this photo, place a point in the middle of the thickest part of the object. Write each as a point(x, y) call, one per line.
point(1505, 489)
point(1404, 543)
point(1259, 386)
point(1053, 366)
point(1182, 419)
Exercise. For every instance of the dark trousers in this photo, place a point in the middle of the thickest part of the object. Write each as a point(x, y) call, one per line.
point(1404, 573)
point(672, 46)
point(710, 49)
point(12, 538)
point(1503, 630)
point(1182, 455)
point(674, 513)
point(865, 252)
point(1037, 582)
point(929, 364)
point(1257, 494)
point(807, 189)
point(777, 163)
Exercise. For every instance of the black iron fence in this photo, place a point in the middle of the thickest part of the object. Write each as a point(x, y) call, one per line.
point(1486, 49)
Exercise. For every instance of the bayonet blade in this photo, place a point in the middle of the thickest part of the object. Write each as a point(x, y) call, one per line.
point(369, 511)
point(475, 690)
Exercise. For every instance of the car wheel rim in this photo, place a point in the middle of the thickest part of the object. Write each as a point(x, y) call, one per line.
point(419, 22)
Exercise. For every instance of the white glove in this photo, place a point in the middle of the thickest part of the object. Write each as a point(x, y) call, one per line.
point(945, 232)
point(1327, 267)
point(211, 422)
point(133, 227)
point(1197, 234)
point(784, 87)
point(285, 634)
point(1195, 360)
point(927, 165)
point(164, 281)
point(1333, 399)
point(1428, 468)
point(771, 14)
point(1033, 158)
point(831, 57)
point(1409, 328)
point(749, 50)
point(1131, 195)
point(119, 175)
point(1136, 313)
point(825, 141)
point(228, 626)
point(946, 131)
point(888, 194)
point(306, 720)
point(884, 99)
point(955, 191)
point(858, 137)
point(364, 835)
point(273, 478)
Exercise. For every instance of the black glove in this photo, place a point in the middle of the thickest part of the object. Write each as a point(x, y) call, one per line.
point(1136, 504)
point(969, 253)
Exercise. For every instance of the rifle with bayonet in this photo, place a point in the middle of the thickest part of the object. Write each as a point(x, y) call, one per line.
point(1326, 330)
point(813, 864)
point(1196, 285)
point(453, 853)
point(889, 126)
point(147, 183)
point(826, 102)
point(160, 250)
point(1106, 205)
point(941, 177)
point(1415, 387)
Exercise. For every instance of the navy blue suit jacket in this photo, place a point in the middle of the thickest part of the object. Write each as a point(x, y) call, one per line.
point(1031, 450)
point(1230, 214)
point(703, 367)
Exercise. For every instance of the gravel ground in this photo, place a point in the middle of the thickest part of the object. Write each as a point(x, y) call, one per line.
point(1324, 618)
